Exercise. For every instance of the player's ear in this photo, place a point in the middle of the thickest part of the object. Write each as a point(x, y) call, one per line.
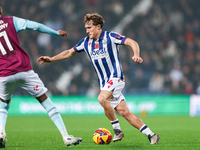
point(99, 26)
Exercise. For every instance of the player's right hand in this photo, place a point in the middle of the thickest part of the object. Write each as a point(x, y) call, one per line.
point(62, 33)
point(137, 59)
point(43, 59)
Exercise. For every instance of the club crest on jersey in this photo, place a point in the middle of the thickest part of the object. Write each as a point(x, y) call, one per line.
point(105, 41)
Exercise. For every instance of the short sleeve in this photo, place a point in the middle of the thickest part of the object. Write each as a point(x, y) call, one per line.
point(117, 38)
point(19, 23)
point(80, 46)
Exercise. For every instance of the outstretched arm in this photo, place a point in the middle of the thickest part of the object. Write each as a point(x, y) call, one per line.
point(62, 56)
point(136, 50)
point(23, 24)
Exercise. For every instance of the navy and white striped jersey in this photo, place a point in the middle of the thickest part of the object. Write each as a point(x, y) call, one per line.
point(104, 55)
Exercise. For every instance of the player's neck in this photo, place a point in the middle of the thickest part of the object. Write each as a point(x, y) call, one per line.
point(98, 35)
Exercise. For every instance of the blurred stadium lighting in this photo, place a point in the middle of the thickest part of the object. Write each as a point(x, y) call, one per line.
point(140, 9)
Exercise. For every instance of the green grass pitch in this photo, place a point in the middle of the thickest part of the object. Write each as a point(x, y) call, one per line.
point(39, 133)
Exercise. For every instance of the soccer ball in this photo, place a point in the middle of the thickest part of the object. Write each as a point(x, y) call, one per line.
point(102, 136)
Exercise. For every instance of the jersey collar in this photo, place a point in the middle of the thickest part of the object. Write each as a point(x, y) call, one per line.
point(101, 36)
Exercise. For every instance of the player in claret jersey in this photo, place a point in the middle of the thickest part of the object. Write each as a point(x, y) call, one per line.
point(16, 70)
point(102, 49)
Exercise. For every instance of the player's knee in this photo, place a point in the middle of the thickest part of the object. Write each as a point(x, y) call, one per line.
point(102, 100)
point(124, 112)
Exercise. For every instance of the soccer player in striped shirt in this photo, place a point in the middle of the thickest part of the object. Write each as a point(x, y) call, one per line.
point(102, 48)
point(16, 70)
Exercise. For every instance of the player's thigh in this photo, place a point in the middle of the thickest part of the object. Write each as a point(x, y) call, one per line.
point(115, 85)
point(122, 108)
point(33, 84)
point(7, 87)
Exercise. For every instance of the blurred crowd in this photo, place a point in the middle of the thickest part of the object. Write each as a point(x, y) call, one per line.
point(168, 36)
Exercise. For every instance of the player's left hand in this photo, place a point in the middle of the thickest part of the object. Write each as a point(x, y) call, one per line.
point(137, 59)
point(43, 59)
point(62, 33)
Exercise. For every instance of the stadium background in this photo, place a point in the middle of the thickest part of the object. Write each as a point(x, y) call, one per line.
point(168, 32)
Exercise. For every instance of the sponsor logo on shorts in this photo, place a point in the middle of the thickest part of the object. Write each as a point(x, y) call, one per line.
point(36, 88)
point(110, 83)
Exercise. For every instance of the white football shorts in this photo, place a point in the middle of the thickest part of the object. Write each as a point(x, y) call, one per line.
point(115, 85)
point(28, 80)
